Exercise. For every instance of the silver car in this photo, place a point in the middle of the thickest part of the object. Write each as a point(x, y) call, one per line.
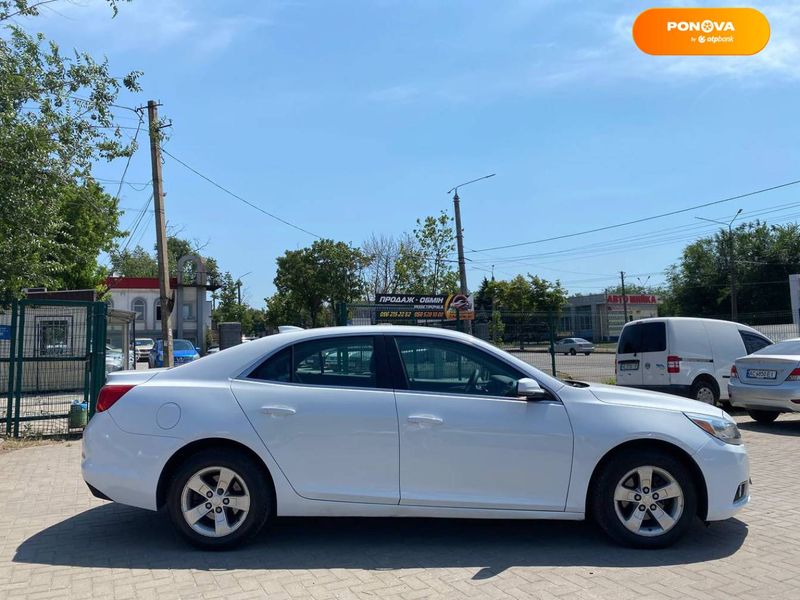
point(767, 382)
point(573, 346)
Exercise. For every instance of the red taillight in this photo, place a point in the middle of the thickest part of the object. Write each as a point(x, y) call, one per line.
point(109, 394)
point(673, 364)
point(734, 372)
point(794, 375)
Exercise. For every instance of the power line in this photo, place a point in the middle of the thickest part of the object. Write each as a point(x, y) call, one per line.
point(234, 195)
point(641, 220)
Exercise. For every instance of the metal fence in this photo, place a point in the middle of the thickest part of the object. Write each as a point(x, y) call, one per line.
point(533, 336)
point(52, 365)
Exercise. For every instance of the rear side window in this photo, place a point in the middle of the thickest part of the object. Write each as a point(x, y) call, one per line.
point(754, 343)
point(276, 368)
point(643, 337)
point(340, 362)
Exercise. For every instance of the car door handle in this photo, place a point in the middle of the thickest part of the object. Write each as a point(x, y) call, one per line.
point(425, 419)
point(278, 411)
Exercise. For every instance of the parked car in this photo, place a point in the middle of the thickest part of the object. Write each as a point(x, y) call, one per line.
point(440, 424)
point(684, 356)
point(143, 347)
point(183, 351)
point(573, 346)
point(767, 382)
point(114, 359)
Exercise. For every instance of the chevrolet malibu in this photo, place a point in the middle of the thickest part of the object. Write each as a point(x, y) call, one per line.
point(392, 421)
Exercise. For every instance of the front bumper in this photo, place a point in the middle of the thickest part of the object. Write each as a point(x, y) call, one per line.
point(784, 397)
point(124, 467)
point(726, 469)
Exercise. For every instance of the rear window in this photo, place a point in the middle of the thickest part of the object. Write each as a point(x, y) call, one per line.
point(790, 347)
point(643, 337)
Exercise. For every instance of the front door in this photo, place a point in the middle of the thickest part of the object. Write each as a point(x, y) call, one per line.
point(467, 441)
point(326, 412)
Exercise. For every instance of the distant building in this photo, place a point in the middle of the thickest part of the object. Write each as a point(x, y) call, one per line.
point(141, 296)
point(600, 317)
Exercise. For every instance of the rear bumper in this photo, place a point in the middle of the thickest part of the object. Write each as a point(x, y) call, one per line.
point(725, 468)
point(123, 467)
point(764, 397)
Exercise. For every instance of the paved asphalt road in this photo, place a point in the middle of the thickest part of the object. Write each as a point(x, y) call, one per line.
point(57, 541)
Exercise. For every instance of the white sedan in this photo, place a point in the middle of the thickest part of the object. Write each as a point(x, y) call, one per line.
point(573, 346)
point(405, 422)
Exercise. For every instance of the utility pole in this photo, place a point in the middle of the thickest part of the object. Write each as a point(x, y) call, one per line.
point(462, 268)
point(161, 234)
point(731, 262)
point(624, 297)
point(239, 291)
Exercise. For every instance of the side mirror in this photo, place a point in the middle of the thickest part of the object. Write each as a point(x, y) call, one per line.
point(530, 389)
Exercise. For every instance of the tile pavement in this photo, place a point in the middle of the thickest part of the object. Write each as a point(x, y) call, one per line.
point(56, 541)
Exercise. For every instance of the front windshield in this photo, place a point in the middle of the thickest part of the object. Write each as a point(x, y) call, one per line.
point(182, 345)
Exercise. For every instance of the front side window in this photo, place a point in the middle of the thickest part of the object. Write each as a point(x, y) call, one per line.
point(435, 365)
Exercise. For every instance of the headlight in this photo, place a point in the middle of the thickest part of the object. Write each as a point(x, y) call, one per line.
point(722, 429)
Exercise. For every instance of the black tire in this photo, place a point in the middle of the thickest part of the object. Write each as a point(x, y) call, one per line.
point(572, 351)
point(764, 417)
point(602, 505)
point(587, 353)
point(704, 390)
point(261, 498)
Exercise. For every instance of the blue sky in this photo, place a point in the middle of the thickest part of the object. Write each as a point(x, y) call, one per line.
point(351, 117)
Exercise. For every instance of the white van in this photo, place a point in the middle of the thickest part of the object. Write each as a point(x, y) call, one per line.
point(684, 356)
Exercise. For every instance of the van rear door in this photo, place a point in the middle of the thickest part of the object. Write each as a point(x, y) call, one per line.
point(629, 348)
point(641, 354)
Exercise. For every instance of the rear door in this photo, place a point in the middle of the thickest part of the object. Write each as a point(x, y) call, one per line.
point(642, 354)
point(326, 411)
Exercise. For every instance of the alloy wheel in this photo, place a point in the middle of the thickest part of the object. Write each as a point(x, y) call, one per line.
point(215, 501)
point(648, 501)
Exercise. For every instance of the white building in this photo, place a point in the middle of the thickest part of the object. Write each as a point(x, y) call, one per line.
point(191, 313)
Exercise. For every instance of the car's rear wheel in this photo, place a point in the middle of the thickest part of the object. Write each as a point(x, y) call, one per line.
point(219, 498)
point(704, 391)
point(587, 353)
point(647, 500)
point(572, 351)
point(763, 416)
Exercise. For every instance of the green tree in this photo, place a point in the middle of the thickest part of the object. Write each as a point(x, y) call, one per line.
point(133, 263)
point(436, 241)
point(315, 279)
point(56, 120)
point(765, 255)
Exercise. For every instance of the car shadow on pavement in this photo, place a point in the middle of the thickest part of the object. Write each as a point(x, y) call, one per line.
point(779, 427)
point(115, 536)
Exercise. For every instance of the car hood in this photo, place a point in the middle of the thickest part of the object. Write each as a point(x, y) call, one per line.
point(614, 394)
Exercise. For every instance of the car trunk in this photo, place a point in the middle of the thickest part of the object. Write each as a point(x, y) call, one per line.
point(765, 369)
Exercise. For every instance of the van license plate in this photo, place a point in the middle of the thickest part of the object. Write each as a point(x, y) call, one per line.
point(761, 374)
point(629, 366)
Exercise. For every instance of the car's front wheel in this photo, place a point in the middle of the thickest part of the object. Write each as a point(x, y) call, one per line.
point(763, 416)
point(219, 498)
point(647, 500)
point(572, 351)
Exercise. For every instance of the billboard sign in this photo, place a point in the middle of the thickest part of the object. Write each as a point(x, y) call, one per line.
point(397, 307)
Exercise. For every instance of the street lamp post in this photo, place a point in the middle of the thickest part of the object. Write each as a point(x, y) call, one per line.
point(239, 287)
point(731, 261)
point(462, 269)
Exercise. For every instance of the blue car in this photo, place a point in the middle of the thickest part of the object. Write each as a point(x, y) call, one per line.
point(183, 352)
